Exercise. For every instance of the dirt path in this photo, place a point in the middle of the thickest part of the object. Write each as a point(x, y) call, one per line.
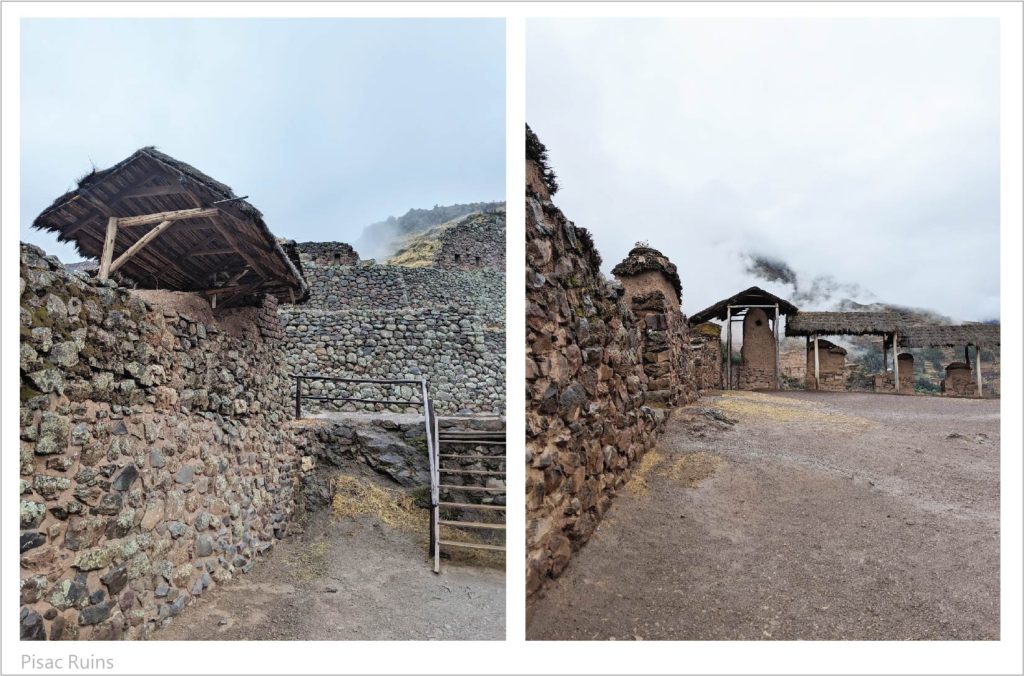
point(349, 579)
point(815, 516)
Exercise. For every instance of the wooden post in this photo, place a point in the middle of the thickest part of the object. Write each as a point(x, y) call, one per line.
point(728, 347)
point(298, 397)
point(108, 248)
point(895, 361)
point(778, 357)
point(967, 354)
point(885, 356)
point(817, 365)
point(977, 365)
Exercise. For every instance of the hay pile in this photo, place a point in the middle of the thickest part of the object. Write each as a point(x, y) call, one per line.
point(693, 468)
point(752, 407)
point(355, 497)
point(637, 484)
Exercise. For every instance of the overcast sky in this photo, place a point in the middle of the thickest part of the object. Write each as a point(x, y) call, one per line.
point(864, 150)
point(327, 125)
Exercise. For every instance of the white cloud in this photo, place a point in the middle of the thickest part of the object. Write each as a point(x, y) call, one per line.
point(863, 149)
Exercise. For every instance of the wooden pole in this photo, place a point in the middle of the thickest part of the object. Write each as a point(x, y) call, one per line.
point(967, 355)
point(885, 355)
point(895, 361)
point(108, 248)
point(817, 366)
point(728, 347)
point(139, 244)
point(778, 357)
point(977, 365)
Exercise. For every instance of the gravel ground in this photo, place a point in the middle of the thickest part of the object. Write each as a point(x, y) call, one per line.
point(342, 580)
point(814, 516)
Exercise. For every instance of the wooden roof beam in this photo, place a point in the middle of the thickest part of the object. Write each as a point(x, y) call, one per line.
point(181, 214)
point(154, 191)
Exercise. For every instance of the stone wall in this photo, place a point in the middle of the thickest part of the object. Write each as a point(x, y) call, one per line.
point(154, 458)
point(706, 356)
point(959, 380)
point(387, 321)
point(472, 243)
point(587, 422)
point(329, 253)
point(757, 370)
point(832, 371)
point(651, 289)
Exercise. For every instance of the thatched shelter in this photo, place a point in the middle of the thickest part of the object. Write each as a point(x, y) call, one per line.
point(753, 297)
point(759, 306)
point(843, 324)
point(164, 224)
point(961, 335)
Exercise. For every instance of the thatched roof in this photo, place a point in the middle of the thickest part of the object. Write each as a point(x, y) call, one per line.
point(752, 296)
point(538, 152)
point(218, 244)
point(643, 258)
point(843, 323)
point(930, 335)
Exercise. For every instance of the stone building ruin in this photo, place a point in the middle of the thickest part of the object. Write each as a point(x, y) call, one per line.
point(158, 452)
point(832, 373)
point(760, 313)
point(653, 291)
point(594, 351)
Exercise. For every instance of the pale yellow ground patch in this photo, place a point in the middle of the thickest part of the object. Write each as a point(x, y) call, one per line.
point(693, 468)
point(637, 484)
point(759, 406)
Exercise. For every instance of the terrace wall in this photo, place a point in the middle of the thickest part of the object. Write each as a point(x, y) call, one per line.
point(386, 321)
point(155, 462)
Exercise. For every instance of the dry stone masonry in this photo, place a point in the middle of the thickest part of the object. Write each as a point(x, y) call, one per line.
point(832, 371)
point(155, 458)
point(587, 419)
point(367, 320)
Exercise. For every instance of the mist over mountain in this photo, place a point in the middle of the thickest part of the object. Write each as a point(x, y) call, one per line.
point(383, 239)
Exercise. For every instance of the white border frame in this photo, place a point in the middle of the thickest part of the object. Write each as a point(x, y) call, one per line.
point(161, 657)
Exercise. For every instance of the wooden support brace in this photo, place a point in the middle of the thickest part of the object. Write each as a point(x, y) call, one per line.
point(108, 248)
point(139, 244)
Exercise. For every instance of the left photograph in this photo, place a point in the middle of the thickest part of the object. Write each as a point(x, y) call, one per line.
point(262, 349)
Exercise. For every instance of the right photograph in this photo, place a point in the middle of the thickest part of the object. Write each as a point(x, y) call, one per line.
point(762, 329)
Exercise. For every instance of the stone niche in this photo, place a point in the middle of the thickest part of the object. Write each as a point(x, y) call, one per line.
point(757, 355)
point(832, 372)
point(959, 380)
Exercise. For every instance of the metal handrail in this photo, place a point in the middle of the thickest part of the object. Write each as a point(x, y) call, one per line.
point(429, 423)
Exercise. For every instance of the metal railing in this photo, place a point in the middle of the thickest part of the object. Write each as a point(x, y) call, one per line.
point(429, 423)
